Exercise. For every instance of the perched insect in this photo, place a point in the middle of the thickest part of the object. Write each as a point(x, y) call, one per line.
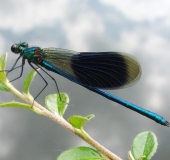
point(92, 70)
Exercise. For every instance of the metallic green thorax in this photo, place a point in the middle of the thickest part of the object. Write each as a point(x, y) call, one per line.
point(33, 54)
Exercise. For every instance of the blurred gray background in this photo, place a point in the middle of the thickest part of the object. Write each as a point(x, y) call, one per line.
point(141, 28)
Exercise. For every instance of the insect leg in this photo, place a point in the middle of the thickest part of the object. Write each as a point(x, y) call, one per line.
point(22, 67)
point(13, 67)
point(46, 83)
point(52, 79)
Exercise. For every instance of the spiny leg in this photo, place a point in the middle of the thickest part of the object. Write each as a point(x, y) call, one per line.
point(22, 67)
point(46, 83)
point(8, 71)
point(13, 67)
point(52, 79)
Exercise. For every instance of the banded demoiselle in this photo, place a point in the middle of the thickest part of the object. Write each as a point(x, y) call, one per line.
point(92, 70)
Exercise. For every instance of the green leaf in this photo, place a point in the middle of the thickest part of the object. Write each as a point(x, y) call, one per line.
point(15, 104)
point(21, 105)
point(78, 121)
point(3, 79)
point(28, 81)
point(57, 103)
point(144, 146)
point(3, 62)
point(2, 86)
point(80, 153)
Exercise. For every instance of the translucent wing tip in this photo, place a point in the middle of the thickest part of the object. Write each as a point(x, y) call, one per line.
point(133, 69)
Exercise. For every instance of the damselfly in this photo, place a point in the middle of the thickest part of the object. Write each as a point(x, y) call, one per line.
point(92, 70)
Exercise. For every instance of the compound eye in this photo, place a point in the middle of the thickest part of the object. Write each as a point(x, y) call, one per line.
point(15, 49)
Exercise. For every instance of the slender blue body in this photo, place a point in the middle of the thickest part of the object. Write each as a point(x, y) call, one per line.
point(94, 71)
point(147, 113)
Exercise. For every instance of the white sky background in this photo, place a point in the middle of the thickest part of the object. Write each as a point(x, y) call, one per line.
point(138, 27)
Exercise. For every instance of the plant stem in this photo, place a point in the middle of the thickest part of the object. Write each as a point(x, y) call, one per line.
point(60, 120)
